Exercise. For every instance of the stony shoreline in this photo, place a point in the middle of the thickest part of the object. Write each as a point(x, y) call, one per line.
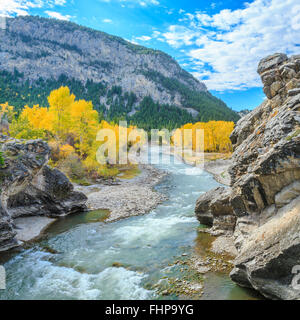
point(219, 169)
point(126, 198)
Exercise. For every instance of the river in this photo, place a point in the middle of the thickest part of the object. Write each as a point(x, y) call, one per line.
point(82, 257)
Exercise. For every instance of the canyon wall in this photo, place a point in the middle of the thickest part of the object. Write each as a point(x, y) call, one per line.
point(261, 209)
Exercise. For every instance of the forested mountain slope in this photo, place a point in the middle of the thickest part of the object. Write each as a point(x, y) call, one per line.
point(38, 55)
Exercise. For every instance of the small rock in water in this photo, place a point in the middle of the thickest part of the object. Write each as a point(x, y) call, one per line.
point(196, 286)
point(203, 269)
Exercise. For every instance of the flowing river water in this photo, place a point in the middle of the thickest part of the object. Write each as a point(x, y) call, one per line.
point(82, 257)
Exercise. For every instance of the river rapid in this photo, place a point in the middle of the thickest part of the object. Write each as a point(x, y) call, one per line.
point(82, 257)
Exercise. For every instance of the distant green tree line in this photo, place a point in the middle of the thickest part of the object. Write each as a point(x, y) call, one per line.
point(18, 92)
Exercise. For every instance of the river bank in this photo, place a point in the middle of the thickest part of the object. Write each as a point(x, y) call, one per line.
point(123, 198)
point(126, 197)
point(219, 169)
point(217, 164)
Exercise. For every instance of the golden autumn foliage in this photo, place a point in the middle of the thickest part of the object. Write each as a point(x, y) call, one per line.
point(65, 151)
point(216, 136)
point(38, 117)
point(76, 134)
point(91, 162)
point(70, 126)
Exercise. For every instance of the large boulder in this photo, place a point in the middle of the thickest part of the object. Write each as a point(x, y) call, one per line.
point(49, 194)
point(28, 187)
point(264, 195)
point(213, 209)
point(267, 258)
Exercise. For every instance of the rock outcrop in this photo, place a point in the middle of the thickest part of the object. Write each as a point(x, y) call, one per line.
point(261, 209)
point(28, 187)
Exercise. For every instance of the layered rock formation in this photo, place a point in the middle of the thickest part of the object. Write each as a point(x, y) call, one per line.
point(261, 209)
point(28, 187)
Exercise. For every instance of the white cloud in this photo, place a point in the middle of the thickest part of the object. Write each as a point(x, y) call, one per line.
point(132, 41)
point(143, 38)
point(107, 21)
point(59, 2)
point(230, 44)
point(143, 3)
point(58, 15)
point(178, 36)
point(18, 7)
point(22, 7)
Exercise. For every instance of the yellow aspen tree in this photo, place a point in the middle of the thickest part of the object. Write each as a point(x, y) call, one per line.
point(60, 102)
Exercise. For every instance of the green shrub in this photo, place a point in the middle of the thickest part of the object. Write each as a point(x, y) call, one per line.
point(1, 159)
point(72, 167)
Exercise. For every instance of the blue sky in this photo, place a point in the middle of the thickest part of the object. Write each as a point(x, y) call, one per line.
point(220, 42)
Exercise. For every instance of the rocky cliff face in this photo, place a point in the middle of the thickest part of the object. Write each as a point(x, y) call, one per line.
point(261, 209)
point(113, 73)
point(28, 187)
point(48, 48)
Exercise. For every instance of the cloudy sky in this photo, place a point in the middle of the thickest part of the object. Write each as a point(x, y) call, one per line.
point(220, 42)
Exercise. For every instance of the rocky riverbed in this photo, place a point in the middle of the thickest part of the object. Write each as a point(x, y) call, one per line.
point(126, 198)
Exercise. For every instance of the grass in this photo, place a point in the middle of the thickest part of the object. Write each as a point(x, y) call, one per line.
point(129, 172)
point(81, 182)
point(198, 159)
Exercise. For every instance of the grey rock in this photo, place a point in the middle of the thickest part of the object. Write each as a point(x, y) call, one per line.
point(214, 208)
point(287, 194)
point(271, 62)
point(264, 196)
point(28, 187)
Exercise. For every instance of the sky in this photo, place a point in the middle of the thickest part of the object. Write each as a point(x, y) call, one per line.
point(219, 42)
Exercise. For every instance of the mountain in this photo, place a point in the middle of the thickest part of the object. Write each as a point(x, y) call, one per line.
point(37, 55)
point(243, 113)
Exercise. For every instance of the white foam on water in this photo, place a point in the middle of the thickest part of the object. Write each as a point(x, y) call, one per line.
point(112, 251)
point(38, 278)
point(150, 230)
point(120, 283)
point(45, 279)
point(67, 283)
point(198, 192)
